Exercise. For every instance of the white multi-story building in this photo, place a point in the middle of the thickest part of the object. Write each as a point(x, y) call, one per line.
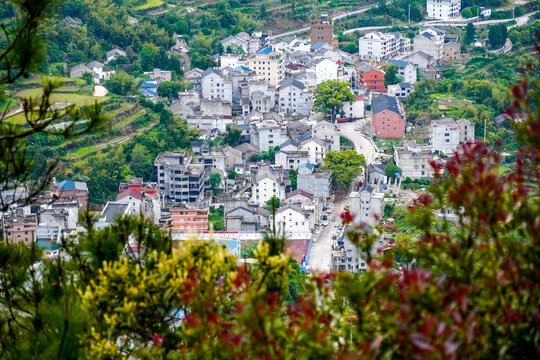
point(406, 70)
point(368, 205)
point(267, 134)
point(443, 9)
point(380, 46)
point(292, 219)
point(326, 132)
point(294, 98)
point(325, 69)
point(414, 159)
point(447, 134)
point(316, 149)
point(431, 42)
point(355, 109)
point(214, 85)
point(266, 186)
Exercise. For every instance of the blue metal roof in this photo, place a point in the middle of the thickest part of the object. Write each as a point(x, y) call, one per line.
point(308, 165)
point(400, 63)
point(66, 185)
point(265, 51)
point(241, 68)
point(317, 46)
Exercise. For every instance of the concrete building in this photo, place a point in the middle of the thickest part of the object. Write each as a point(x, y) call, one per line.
point(316, 150)
point(112, 212)
point(431, 42)
point(327, 132)
point(317, 183)
point(294, 98)
point(325, 69)
point(443, 9)
point(291, 159)
point(213, 85)
point(354, 110)
point(414, 160)
point(265, 187)
point(159, 75)
point(380, 46)
point(406, 70)
point(269, 66)
point(246, 218)
point(421, 60)
point(267, 134)
point(71, 190)
point(401, 90)
point(178, 179)
point(451, 52)
point(19, 227)
point(376, 174)
point(195, 76)
point(149, 206)
point(292, 219)
point(322, 30)
point(447, 134)
point(189, 220)
point(388, 119)
point(367, 204)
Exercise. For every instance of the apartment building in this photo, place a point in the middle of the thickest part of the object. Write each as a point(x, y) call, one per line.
point(322, 30)
point(380, 46)
point(189, 220)
point(367, 204)
point(430, 42)
point(443, 9)
point(371, 77)
point(267, 134)
point(406, 70)
point(327, 132)
point(294, 98)
point(447, 134)
point(71, 190)
point(388, 119)
point(414, 159)
point(214, 85)
point(178, 179)
point(268, 65)
point(19, 227)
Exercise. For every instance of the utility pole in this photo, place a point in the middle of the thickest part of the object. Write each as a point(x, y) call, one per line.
point(513, 8)
point(409, 14)
point(485, 128)
point(477, 15)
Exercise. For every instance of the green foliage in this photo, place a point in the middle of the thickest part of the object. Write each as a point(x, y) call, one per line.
point(233, 135)
point(269, 155)
point(216, 219)
point(388, 209)
point(235, 49)
point(293, 176)
point(467, 13)
point(142, 163)
point(215, 181)
point(497, 35)
point(390, 75)
point(272, 203)
point(469, 33)
point(345, 165)
point(330, 95)
point(392, 169)
point(122, 84)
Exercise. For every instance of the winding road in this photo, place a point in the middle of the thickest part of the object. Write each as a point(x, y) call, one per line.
point(361, 142)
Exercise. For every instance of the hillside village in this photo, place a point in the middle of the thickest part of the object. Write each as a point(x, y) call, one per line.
point(260, 158)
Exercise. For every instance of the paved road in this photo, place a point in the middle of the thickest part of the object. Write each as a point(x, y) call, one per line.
point(361, 143)
point(520, 21)
point(320, 258)
point(337, 17)
point(366, 28)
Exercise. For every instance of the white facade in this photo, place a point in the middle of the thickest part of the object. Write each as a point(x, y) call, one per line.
point(380, 46)
point(446, 134)
point(431, 42)
point(294, 98)
point(327, 132)
point(406, 70)
point(325, 69)
point(214, 86)
point(443, 9)
point(291, 159)
point(292, 219)
point(230, 60)
point(368, 205)
point(264, 189)
point(316, 150)
point(267, 134)
point(414, 160)
point(355, 109)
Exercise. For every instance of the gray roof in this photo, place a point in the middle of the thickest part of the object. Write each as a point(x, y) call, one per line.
point(292, 82)
point(113, 210)
point(405, 85)
point(211, 71)
point(384, 102)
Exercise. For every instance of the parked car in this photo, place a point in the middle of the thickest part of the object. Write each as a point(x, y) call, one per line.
point(358, 127)
point(336, 225)
point(325, 217)
point(328, 210)
point(325, 223)
point(333, 219)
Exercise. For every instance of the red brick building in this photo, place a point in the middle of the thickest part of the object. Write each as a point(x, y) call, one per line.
point(388, 118)
point(189, 220)
point(139, 185)
point(371, 77)
point(322, 30)
point(19, 227)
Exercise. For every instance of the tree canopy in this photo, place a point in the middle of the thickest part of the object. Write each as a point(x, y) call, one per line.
point(390, 75)
point(345, 165)
point(330, 95)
